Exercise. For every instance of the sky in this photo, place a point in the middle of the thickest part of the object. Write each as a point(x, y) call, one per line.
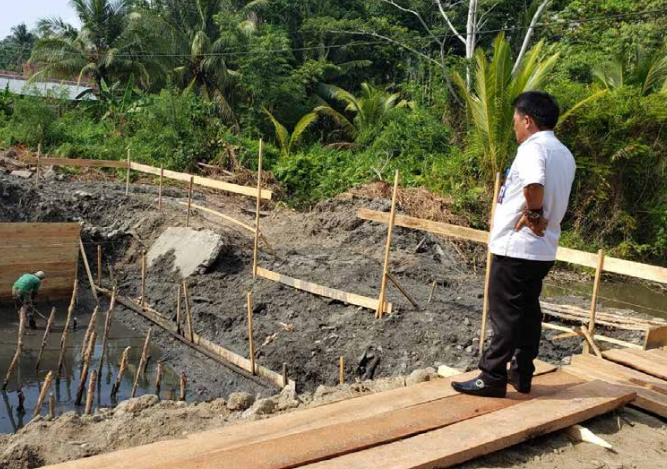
point(29, 11)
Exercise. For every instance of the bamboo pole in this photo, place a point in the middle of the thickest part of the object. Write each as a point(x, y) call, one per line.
point(250, 334)
point(342, 370)
point(88, 272)
point(489, 260)
point(121, 371)
point(159, 191)
point(158, 379)
point(192, 182)
point(99, 265)
point(52, 406)
point(19, 349)
point(127, 175)
point(594, 300)
point(142, 360)
point(184, 383)
point(63, 338)
point(387, 252)
point(91, 393)
point(188, 313)
point(430, 295)
point(107, 329)
point(42, 393)
point(255, 251)
point(179, 319)
point(47, 331)
point(86, 366)
point(143, 279)
point(39, 162)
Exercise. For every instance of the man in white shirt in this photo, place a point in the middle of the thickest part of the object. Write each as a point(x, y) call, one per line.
point(524, 241)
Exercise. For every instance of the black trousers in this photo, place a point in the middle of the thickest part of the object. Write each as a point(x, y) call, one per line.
point(515, 315)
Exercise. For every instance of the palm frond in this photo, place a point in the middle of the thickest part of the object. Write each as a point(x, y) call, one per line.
point(281, 133)
point(300, 127)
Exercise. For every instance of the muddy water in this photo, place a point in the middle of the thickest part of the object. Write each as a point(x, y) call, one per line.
point(65, 389)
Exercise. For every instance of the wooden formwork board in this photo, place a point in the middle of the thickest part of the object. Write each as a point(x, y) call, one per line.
point(76, 162)
point(340, 295)
point(50, 247)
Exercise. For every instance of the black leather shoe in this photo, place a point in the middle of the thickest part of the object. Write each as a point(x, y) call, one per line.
point(521, 383)
point(477, 387)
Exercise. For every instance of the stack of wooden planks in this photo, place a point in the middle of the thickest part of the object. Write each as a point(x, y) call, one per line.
point(644, 372)
point(422, 426)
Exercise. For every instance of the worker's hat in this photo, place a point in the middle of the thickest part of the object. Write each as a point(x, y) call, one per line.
point(39, 274)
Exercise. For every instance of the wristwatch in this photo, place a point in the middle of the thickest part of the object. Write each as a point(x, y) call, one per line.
point(534, 215)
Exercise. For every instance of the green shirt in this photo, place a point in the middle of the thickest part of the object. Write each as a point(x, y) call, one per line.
point(28, 283)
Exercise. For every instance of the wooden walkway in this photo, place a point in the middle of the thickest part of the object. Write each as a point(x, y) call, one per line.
point(423, 426)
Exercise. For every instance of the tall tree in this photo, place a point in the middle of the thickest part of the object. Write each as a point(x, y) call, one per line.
point(16, 48)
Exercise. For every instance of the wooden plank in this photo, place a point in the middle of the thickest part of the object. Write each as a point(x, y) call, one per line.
point(76, 162)
point(200, 181)
point(655, 337)
point(233, 436)
point(572, 256)
point(617, 370)
point(479, 436)
point(333, 441)
point(39, 231)
point(635, 269)
point(345, 297)
point(47, 254)
point(645, 364)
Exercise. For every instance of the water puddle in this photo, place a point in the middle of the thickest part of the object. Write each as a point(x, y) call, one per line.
point(64, 389)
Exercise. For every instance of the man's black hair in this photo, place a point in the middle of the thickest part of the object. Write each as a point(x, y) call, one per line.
point(542, 107)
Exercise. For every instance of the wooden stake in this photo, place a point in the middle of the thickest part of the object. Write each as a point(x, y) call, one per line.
point(250, 336)
point(489, 260)
point(188, 314)
point(142, 360)
point(107, 329)
point(42, 393)
point(179, 320)
point(387, 251)
point(52, 406)
point(402, 290)
point(594, 299)
point(285, 381)
point(257, 207)
point(63, 338)
point(88, 272)
point(121, 371)
point(99, 265)
point(159, 191)
point(158, 379)
point(21, 407)
point(91, 393)
point(143, 279)
point(19, 348)
point(47, 331)
point(192, 182)
point(430, 295)
point(591, 342)
point(342, 370)
point(127, 175)
point(39, 157)
point(86, 366)
point(184, 383)
point(89, 330)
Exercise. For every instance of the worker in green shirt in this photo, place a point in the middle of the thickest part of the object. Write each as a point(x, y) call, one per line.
point(25, 291)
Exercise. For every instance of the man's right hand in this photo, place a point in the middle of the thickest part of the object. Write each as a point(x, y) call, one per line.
point(538, 227)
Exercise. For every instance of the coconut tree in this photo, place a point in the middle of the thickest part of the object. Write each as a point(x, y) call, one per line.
point(107, 47)
point(647, 71)
point(369, 110)
point(288, 140)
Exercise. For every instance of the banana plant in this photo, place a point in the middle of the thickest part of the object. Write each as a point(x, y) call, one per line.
point(286, 140)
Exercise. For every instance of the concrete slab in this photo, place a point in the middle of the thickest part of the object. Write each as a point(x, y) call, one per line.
point(194, 251)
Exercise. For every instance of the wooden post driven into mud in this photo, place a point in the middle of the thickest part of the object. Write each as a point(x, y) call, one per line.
point(342, 370)
point(39, 161)
point(86, 366)
point(143, 279)
point(142, 361)
point(121, 371)
point(159, 190)
point(88, 272)
point(251, 344)
point(47, 331)
point(158, 379)
point(188, 313)
point(285, 380)
point(63, 338)
point(19, 349)
point(594, 300)
point(489, 260)
point(179, 320)
point(127, 173)
point(107, 328)
point(184, 383)
point(387, 251)
point(99, 265)
point(257, 207)
point(192, 184)
point(89, 330)
point(52, 406)
point(91, 393)
point(42, 393)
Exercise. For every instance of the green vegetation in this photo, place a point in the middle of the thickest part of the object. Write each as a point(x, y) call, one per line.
point(347, 91)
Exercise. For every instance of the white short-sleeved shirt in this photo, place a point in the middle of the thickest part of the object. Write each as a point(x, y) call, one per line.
point(541, 159)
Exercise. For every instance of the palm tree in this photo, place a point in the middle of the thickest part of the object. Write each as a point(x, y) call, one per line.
point(286, 140)
point(107, 47)
point(370, 109)
point(494, 89)
point(639, 69)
